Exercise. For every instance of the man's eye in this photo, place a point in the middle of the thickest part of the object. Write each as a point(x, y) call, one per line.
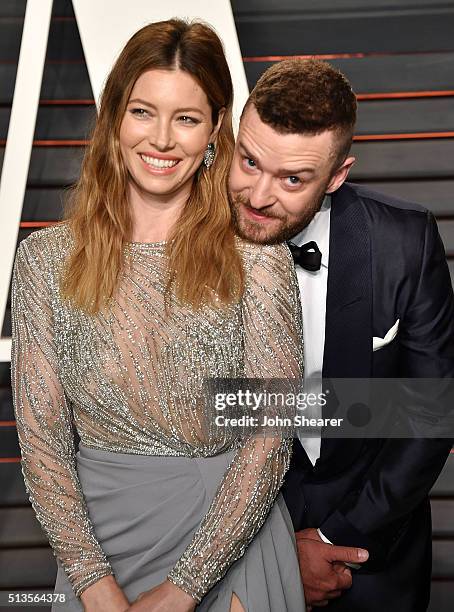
point(293, 180)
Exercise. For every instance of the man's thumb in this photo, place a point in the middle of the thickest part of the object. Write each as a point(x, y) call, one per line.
point(348, 554)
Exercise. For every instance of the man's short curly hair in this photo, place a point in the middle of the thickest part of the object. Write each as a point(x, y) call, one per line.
point(298, 96)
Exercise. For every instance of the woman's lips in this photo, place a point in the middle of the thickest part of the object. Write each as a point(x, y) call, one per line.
point(159, 165)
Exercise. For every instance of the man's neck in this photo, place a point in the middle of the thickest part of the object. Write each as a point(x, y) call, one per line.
point(317, 229)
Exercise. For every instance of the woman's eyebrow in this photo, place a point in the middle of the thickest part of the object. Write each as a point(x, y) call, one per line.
point(186, 109)
point(140, 101)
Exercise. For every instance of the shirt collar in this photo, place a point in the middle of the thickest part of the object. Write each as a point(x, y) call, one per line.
point(318, 230)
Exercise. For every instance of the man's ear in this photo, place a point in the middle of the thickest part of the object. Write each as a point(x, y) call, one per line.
point(340, 176)
point(217, 127)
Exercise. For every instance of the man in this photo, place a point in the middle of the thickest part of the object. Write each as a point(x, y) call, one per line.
point(373, 275)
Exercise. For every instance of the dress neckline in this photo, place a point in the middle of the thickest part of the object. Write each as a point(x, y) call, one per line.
point(160, 243)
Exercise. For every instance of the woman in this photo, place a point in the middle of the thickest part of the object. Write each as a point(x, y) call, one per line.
point(119, 315)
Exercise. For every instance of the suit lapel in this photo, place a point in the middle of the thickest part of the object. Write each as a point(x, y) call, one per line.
point(348, 325)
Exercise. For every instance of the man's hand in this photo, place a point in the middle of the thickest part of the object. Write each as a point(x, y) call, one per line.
point(165, 597)
point(322, 568)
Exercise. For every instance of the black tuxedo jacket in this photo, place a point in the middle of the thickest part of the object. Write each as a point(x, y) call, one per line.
point(386, 262)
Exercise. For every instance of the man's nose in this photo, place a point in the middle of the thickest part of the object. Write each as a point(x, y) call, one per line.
point(162, 136)
point(261, 193)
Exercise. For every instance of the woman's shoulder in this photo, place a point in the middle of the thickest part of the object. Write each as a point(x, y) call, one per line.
point(46, 246)
point(55, 236)
point(273, 255)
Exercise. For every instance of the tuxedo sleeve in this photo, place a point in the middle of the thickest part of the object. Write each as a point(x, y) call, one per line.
point(404, 471)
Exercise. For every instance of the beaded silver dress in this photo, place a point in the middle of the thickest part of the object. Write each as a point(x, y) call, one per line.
point(130, 380)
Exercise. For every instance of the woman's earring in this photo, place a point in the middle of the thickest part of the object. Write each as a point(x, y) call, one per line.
point(208, 156)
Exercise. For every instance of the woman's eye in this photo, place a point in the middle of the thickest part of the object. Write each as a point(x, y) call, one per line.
point(139, 112)
point(188, 120)
point(249, 163)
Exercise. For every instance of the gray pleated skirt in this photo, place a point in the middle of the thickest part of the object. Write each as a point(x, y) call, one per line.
point(145, 510)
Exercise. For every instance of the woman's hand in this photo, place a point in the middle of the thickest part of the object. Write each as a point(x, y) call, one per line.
point(165, 597)
point(105, 595)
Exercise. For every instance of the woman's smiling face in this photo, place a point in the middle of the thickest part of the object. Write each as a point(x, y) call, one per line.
point(164, 133)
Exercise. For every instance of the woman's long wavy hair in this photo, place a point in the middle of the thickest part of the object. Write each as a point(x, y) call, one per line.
point(203, 257)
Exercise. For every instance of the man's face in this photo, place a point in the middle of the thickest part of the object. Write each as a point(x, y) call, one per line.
point(278, 181)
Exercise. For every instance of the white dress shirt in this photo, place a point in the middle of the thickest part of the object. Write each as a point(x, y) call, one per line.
point(313, 287)
point(313, 302)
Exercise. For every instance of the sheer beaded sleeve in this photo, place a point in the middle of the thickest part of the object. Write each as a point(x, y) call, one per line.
point(273, 349)
point(44, 422)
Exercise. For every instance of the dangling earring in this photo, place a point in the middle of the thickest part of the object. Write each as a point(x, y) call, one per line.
point(208, 156)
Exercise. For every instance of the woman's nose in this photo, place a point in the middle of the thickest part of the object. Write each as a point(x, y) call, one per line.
point(163, 136)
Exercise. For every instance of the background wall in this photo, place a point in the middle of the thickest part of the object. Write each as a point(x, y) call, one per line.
point(399, 56)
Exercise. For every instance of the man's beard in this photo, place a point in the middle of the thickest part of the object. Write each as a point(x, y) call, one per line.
point(260, 233)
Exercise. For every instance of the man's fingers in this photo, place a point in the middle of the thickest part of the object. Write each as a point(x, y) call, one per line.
point(334, 582)
point(348, 554)
point(302, 535)
point(340, 568)
point(344, 580)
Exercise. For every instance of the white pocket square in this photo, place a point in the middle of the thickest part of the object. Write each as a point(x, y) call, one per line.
point(378, 343)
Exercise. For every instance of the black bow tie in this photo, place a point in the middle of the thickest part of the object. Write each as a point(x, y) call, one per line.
point(308, 255)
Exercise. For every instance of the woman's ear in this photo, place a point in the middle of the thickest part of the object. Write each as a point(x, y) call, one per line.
point(217, 127)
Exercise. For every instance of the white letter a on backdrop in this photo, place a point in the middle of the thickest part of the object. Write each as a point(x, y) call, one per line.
point(104, 27)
